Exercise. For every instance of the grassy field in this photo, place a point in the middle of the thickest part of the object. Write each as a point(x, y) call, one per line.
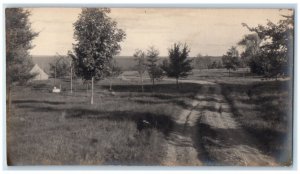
point(46, 128)
point(129, 127)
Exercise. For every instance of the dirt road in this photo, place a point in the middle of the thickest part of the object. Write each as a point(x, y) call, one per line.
point(207, 134)
point(180, 144)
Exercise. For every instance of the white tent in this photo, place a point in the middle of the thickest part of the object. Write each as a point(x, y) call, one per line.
point(41, 75)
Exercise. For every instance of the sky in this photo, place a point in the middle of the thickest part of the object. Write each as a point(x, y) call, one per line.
point(206, 31)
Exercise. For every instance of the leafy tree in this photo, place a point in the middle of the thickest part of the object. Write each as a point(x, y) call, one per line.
point(113, 72)
point(97, 41)
point(19, 36)
point(251, 43)
point(59, 67)
point(213, 65)
point(276, 50)
point(250, 56)
point(154, 71)
point(178, 65)
point(231, 59)
point(141, 65)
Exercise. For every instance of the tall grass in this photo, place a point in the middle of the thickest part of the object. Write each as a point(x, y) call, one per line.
point(265, 110)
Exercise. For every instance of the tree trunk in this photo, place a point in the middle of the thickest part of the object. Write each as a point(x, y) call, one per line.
point(8, 112)
point(71, 81)
point(92, 98)
point(142, 82)
point(229, 72)
point(87, 88)
point(110, 84)
point(177, 83)
point(55, 76)
point(152, 84)
point(9, 102)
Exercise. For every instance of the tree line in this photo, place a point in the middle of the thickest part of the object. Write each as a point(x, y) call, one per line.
point(206, 62)
point(176, 66)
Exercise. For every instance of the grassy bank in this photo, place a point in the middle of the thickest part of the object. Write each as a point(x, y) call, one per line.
point(264, 109)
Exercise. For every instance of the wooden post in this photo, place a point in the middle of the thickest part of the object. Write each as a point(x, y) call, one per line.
point(92, 98)
point(55, 75)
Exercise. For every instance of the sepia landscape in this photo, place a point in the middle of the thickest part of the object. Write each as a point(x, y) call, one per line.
point(149, 86)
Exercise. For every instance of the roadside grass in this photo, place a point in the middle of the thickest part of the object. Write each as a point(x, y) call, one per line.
point(127, 127)
point(264, 109)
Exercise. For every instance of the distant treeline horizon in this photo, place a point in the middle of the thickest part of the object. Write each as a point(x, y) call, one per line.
point(119, 56)
point(125, 62)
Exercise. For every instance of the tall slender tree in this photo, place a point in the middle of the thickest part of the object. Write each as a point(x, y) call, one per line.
point(178, 65)
point(141, 66)
point(97, 41)
point(19, 36)
point(231, 59)
point(154, 71)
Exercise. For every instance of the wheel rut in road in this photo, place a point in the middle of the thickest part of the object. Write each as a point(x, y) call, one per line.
point(207, 134)
point(223, 139)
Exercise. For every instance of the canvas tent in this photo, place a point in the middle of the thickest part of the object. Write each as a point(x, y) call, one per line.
point(41, 75)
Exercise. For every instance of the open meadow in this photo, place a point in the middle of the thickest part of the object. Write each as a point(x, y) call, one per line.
point(47, 128)
point(131, 127)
